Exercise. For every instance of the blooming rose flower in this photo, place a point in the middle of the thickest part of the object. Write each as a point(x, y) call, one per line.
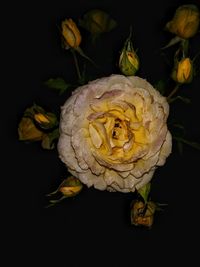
point(113, 133)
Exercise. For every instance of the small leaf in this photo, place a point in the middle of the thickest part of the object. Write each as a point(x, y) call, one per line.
point(144, 191)
point(160, 86)
point(190, 143)
point(58, 84)
point(48, 142)
point(186, 100)
point(180, 147)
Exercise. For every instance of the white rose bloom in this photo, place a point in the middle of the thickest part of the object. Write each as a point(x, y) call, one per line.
point(113, 133)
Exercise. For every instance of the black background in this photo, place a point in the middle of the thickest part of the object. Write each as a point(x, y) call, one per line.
point(94, 228)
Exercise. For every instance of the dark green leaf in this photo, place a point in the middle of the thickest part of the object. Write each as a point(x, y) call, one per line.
point(48, 141)
point(160, 86)
point(186, 100)
point(58, 84)
point(190, 143)
point(177, 130)
point(180, 147)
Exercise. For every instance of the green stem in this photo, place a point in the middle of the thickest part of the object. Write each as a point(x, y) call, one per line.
point(173, 92)
point(185, 47)
point(76, 64)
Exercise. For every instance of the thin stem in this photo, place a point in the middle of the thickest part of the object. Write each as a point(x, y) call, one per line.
point(76, 64)
point(173, 92)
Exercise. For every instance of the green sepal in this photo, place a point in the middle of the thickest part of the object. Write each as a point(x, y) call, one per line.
point(48, 142)
point(144, 191)
point(172, 42)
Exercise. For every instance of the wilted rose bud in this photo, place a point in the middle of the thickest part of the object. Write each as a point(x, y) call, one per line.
point(183, 71)
point(97, 21)
point(185, 22)
point(70, 33)
point(142, 214)
point(28, 131)
point(128, 61)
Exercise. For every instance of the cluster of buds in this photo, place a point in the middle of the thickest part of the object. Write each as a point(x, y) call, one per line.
point(38, 125)
point(185, 25)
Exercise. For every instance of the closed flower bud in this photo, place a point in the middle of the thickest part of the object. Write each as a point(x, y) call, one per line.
point(71, 187)
point(142, 214)
point(185, 22)
point(70, 33)
point(128, 61)
point(45, 120)
point(28, 131)
point(183, 71)
point(97, 21)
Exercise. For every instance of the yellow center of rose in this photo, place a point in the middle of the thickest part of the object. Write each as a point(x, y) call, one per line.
point(118, 132)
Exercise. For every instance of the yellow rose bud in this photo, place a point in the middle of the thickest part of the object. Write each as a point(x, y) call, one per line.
point(70, 187)
point(97, 21)
point(41, 118)
point(71, 33)
point(128, 61)
point(27, 130)
point(185, 22)
point(183, 71)
point(143, 214)
point(46, 120)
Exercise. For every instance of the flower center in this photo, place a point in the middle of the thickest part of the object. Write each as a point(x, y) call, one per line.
point(118, 133)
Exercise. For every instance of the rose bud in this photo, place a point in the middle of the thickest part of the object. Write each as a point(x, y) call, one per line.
point(71, 34)
point(128, 61)
point(142, 214)
point(28, 131)
point(45, 120)
point(185, 22)
point(69, 188)
point(183, 71)
point(97, 21)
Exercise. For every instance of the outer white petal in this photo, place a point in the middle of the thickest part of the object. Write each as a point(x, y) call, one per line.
point(146, 178)
point(165, 150)
point(66, 153)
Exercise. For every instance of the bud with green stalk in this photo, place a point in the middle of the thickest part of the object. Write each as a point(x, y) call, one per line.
point(70, 187)
point(128, 61)
point(143, 209)
point(71, 39)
